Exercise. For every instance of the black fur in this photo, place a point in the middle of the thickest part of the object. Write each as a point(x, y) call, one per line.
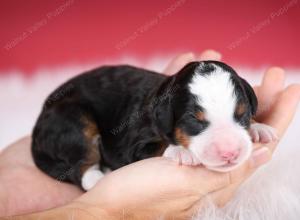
point(135, 110)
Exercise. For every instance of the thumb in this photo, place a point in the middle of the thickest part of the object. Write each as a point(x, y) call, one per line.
point(233, 180)
point(206, 181)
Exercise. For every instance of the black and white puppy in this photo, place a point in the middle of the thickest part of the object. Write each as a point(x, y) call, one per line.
point(115, 115)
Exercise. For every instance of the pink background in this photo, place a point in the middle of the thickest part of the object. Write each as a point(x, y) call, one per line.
point(38, 33)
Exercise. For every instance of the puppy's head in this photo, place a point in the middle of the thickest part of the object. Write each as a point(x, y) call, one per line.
point(208, 111)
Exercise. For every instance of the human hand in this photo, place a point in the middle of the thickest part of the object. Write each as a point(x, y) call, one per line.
point(24, 188)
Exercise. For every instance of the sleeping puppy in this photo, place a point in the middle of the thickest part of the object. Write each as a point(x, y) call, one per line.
point(115, 115)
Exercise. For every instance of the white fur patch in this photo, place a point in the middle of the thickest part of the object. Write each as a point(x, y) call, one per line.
point(90, 177)
point(215, 94)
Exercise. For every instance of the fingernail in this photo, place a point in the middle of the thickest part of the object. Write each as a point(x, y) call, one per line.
point(260, 157)
point(189, 56)
point(218, 56)
point(210, 55)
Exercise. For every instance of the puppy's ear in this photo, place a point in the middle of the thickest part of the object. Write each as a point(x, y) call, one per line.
point(163, 107)
point(250, 95)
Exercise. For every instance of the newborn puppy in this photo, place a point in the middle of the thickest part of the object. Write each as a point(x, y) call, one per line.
point(116, 115)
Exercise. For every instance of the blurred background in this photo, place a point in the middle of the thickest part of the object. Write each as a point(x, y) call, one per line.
point(43, 43)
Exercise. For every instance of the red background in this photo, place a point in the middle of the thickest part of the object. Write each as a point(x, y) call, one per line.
point(90, 30)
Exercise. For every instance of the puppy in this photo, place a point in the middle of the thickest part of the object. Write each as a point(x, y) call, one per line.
point(115, 115)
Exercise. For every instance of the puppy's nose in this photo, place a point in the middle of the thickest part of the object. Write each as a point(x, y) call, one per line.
point(228, 150)
point(229, 155)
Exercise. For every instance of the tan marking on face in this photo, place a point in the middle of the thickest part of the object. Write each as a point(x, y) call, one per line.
point(182, 137)
point(92, 137)
point(240, 109)
point(200, 116)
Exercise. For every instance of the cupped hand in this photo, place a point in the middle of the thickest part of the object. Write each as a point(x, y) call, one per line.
point(24, 188)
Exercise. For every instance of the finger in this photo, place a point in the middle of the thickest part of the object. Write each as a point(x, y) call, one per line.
point(272, 84)
point(282, 113)
point(200, 180)
point(210, 55)
point(221, 197)
point(275, 78)
point(23, 157)
point(178, 62)
point(284, 109)
point(194, 177)
point(259, 157)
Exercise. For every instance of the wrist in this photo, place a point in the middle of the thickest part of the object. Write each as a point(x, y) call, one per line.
point(85, 211)
point(73, 210)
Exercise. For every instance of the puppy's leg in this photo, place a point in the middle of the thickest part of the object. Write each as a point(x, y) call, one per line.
point(89, 167)
point(181, 155)
point(65, 142)
point(262, 133)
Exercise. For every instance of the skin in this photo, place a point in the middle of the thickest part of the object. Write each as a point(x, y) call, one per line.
point(146, 189)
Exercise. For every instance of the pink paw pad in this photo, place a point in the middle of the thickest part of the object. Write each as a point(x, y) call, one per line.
point(262, 133)
point(181, 156)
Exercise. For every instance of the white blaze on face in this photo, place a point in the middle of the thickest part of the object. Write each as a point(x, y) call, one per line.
point(224, 144)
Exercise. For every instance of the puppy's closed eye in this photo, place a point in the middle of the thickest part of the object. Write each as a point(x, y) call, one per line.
point(193, 123)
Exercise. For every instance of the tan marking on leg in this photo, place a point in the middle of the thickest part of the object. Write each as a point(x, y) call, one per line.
point(182, 137)
point(92, 137)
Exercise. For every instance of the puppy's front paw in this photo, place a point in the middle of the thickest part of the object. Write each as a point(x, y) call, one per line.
point(262, 133)
point(181, 155)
